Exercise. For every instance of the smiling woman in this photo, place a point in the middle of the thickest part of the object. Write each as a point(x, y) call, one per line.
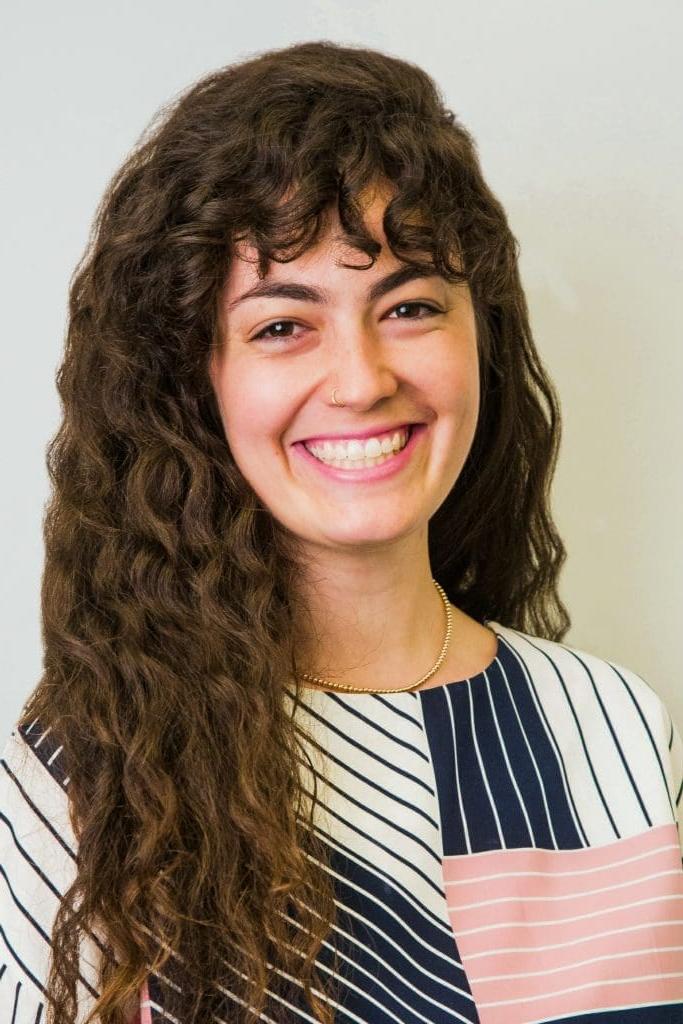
point(309, 745)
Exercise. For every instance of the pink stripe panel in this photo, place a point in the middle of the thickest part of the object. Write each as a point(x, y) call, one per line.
point(547, 933)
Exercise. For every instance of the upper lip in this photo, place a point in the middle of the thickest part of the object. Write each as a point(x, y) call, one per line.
point(359, 434)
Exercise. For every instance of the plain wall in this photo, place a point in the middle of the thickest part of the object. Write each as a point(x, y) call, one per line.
point(576, 109)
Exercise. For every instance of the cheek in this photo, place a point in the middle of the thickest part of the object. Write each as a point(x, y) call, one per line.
point(452, 382)
point(253, 411)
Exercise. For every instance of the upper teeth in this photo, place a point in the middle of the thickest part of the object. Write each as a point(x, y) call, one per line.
point(369, 448)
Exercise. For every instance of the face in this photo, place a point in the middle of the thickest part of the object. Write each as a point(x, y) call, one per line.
point(397, 354)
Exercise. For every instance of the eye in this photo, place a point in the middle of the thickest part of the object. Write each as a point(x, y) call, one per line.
point(282, 328)
point(278, 334)
point(431, 310)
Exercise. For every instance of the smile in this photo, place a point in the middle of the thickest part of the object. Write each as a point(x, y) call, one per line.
point(354, 462)
point(356, 453)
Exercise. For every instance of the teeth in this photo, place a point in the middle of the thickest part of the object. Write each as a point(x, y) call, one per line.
point(371, 452)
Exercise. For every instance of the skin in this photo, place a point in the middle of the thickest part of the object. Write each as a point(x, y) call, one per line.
point(369, 612)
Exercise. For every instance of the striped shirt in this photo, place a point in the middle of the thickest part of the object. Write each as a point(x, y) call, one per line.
point(504, 849)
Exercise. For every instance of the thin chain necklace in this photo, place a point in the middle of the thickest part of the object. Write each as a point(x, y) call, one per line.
point(402, 689)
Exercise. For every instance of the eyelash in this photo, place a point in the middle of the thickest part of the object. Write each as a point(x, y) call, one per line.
point(433, 311)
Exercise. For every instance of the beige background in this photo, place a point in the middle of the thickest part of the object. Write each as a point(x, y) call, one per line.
point(576, 107)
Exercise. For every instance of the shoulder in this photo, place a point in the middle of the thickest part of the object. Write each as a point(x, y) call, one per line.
point(575, 673)
point(38, 857)
point(598, 705)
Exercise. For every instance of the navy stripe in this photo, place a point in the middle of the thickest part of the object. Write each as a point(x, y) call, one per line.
point(391, 796)
point(374, 724)
point(369, 753)
point(19, 962)
point(390, 851)
point(652, 744)
point(617, 744)
point(38, 813)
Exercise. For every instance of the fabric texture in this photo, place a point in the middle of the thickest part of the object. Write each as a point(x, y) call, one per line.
point(505, 850)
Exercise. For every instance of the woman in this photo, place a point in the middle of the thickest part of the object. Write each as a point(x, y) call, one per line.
point(308, 744)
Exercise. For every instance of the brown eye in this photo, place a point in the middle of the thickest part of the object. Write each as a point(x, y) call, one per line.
point(431, 310)
point(263, 334)
point(283, 328)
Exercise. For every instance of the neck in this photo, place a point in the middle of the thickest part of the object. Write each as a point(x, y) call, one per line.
point(375, 621)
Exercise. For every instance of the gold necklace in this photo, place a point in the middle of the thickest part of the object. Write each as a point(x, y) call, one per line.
point(402, 689)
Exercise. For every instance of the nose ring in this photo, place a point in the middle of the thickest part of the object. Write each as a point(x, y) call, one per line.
point(334, 399)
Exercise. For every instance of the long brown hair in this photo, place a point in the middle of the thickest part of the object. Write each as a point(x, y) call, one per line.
point(167, 604)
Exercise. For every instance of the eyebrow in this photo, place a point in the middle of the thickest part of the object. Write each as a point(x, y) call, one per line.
point(307, 293)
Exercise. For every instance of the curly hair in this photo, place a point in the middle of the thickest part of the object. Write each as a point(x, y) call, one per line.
point(166, 595)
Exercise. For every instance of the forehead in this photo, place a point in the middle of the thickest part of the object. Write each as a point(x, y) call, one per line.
point(331, 264)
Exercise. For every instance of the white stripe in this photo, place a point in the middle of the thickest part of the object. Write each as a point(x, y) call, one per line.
point(279, 999)
point(578, 963)
point(394, 995)
point(591, 984)
point(357, 966)
point(164, 1013)
point(562, 874)
point(568, 896)
point(418, 906)
point(565, 920)
point(575, 942)
point(403, 953)
point(53, 756)
point(398, 855)
point(42, 737)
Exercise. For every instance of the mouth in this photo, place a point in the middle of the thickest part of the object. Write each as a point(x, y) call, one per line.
point(366, 470)
point(361, 435)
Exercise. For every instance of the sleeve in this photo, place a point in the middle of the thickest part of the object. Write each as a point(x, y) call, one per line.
point(37, 864)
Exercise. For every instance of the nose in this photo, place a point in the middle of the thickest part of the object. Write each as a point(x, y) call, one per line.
point(360, 369)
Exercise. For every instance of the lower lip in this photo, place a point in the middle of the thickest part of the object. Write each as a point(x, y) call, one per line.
point(389, 468)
